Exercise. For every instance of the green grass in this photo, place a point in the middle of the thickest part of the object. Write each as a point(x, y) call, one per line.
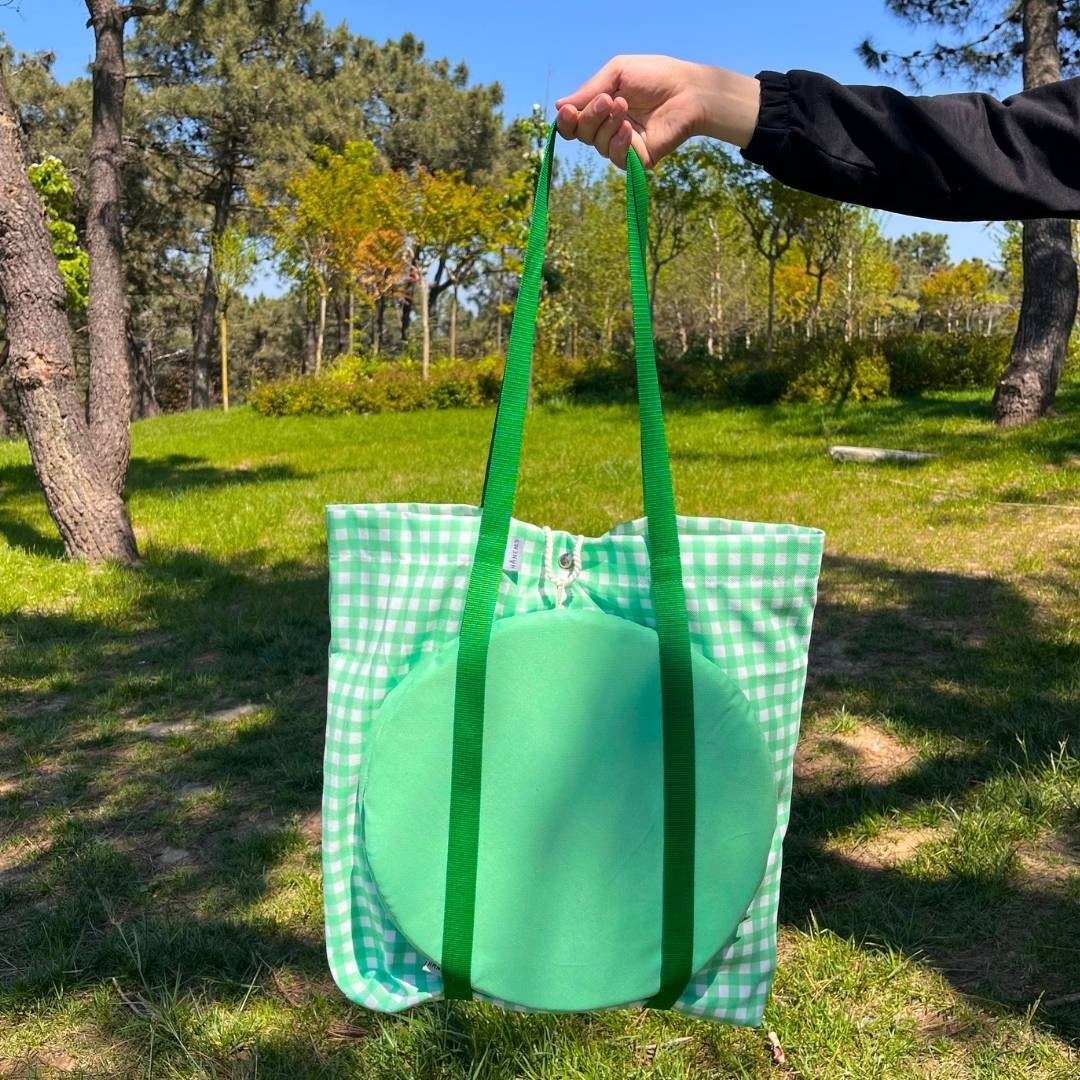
point(161, 736)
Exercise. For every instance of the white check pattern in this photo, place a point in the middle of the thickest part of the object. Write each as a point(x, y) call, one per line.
point(398, 577)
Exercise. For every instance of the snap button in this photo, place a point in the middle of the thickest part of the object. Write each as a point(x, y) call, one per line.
point(566, 560)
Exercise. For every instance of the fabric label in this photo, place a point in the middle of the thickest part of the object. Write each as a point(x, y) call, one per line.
point(514, 550)
point(432, 968)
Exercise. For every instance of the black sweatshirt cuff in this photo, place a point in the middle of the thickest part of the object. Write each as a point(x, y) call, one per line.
point(768, 143)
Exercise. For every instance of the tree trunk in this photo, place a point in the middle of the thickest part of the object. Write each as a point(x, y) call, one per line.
point(406, 309)
point(425, 319)
point(1029, 383)
point(79, 494)
point(351, 319)
point(320, 331)
point(716, 298)
point(849, 318)
point(377, 333)
point(204, 326)
point(341, 318)
point(223, 340)
point(110, 370)
point(1027, 387)
point(772, 307)
point(453, 323)
point(144, 400)
point(307, 359)
point(721, 336)
point(816, 313)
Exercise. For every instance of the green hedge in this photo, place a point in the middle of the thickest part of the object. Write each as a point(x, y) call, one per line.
point(820, 370)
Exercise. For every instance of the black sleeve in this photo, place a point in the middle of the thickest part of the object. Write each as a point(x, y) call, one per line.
point(956, 157)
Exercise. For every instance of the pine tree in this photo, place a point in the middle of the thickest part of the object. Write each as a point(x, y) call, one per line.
point(80, 459)
point(1044, 37)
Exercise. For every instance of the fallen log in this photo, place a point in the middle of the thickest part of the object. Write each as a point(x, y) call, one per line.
point(875, 453)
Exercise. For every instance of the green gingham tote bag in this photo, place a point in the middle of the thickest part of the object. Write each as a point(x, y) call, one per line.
point(557, 771)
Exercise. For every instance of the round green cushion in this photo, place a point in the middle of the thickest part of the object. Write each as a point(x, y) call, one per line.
point(569, 879)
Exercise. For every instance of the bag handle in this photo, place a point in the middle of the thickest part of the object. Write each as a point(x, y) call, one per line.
point(668, 598)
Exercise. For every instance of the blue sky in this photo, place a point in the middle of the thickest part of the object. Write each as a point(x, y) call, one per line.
point(539, 52)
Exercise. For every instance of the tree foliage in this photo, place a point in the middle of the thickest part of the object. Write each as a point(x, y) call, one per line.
point(54, 188)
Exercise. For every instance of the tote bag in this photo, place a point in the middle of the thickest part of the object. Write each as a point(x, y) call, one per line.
point(557, 769)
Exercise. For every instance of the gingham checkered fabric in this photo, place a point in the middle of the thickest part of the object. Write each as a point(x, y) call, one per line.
point(398, 577)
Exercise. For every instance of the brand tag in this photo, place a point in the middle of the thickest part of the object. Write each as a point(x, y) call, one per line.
point(514, 550)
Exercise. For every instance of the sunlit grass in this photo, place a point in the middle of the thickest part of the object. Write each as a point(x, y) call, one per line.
point(161, 738)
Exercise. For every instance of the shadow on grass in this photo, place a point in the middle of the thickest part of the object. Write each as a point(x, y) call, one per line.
point(1053, 440)
point(171, 472)
point(227, 660)
point(226, 664)
point(968, 662)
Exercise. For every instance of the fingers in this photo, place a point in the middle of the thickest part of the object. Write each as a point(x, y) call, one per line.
point(566, 121)
point(605, 81)
point(620, 144)
point(628, 135)
point(596, 124)
point(609, 126)
point(592, 117)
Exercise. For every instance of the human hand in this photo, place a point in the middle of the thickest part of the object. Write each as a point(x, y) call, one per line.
point(655, 103)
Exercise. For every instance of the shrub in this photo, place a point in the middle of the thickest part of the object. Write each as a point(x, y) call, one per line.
point(822, 370)
point(836, 371)
point(363, 385)
point(940, 361)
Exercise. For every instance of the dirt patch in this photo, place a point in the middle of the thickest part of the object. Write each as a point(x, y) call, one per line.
point(938, 1024)
point(299, 990)
point(164, 729)
point(872, 755)
point(1034, 919)
point(830, 656)
point(1052, 862)
point(233, 713)
point(40, 705)
point(311, 827)
point(889, 848)
point(171, 856)
point(195, 790)
point(16, 860)
point(43, 1062)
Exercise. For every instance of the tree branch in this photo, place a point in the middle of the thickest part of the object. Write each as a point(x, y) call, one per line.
point(142, 11)
point(939, 51)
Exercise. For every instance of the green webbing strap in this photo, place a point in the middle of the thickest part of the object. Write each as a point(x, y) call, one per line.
point(669, 605)
point(672, 627)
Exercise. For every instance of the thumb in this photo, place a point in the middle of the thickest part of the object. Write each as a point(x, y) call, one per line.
point(605, 81)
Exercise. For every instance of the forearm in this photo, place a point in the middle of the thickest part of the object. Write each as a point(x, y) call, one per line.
point(731, 104)
point(958, 157)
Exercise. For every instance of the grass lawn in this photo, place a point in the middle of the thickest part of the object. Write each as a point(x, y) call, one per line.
point(161, 739)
